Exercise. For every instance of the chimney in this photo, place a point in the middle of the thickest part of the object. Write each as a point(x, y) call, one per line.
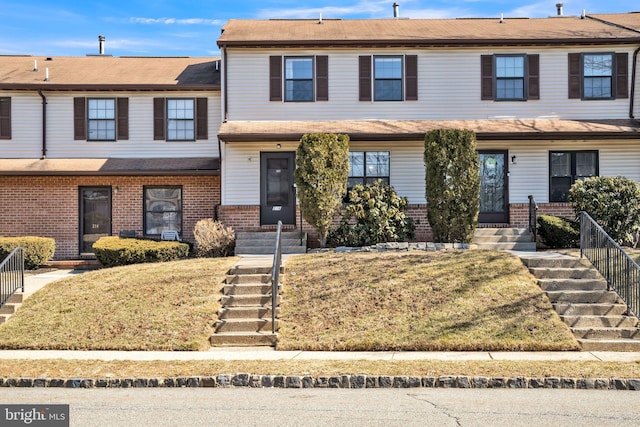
point(101, 44)
point(396, 10)
point(559, 7)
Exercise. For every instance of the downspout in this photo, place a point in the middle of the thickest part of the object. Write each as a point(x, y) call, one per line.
point(225, 113)
point(44, 124)
point(633, 82)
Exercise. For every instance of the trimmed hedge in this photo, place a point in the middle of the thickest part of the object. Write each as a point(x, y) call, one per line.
point(113, 251)
point(38, 250)
point(558, 232)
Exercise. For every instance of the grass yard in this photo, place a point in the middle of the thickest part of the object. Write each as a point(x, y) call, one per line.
point(158, 306)
point(457, 301)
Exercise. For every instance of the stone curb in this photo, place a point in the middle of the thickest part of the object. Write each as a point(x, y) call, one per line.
point(338, 381)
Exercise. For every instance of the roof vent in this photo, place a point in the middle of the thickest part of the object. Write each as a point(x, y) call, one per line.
point(101, 40)
point(502, 18)
point(559, 7)
point(584, 14)
point(396, 10)
point(320, 19)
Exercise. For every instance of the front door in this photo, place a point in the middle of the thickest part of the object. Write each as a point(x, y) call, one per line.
point(95, 216)
point(277, 194)
point(494, 196)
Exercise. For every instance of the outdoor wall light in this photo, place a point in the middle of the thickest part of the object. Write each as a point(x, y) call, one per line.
point(278, 146)
point(514, 160)
point(116, 190)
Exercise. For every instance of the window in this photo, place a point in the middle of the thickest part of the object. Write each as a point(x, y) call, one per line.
point(5, 117)
point(388, 78)
point(566, 167)
point(180, 119)
point(367, 167)
point(306, 78)
point(162, 210)
point(510, 77)
point(387, 72)
point(598, 76)
point(298, 79)
point(101, 119)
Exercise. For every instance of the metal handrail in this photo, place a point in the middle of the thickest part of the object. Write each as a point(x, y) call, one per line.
point(533, 218)
point(11, 275)
point(620, 271)
point(275, 276)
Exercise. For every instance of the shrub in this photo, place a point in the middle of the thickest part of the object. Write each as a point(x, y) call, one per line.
point(558, 232)
point(322, 170)
point(452, 184)
point(614, 203)
point(373, 215)
point(213, 239)
point(38, 250)
point(112, 251)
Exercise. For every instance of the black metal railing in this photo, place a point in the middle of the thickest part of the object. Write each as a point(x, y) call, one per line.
point(620, 271)
point(11, 275)
point(533, 218)
point(275, 276)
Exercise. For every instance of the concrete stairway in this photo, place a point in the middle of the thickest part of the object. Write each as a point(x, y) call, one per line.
point(579, 295)
point(499, 239)
point(245, 316)
point(263, 242)
point(12, 305)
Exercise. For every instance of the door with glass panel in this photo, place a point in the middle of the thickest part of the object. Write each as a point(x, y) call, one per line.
point(95, 216)
point(277, 194)
point(494, 195)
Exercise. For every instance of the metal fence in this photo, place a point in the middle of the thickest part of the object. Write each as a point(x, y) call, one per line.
point(275, 276)
point(11, 275)
point(620, 271)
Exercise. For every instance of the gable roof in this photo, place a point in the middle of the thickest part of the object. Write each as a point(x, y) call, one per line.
point(425, 32)
point(109, 73)
point(629, 20)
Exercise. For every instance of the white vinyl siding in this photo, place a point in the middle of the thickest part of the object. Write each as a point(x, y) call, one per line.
point(26, 132)
point(448, 88)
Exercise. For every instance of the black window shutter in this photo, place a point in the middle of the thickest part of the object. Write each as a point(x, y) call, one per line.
point(622, 78)
point(486, 76)
point(202, 122)
point(158, 118)
point(575, 75)
point(533, 76)
point(364, 73)
point(5, 117)
point(411, 76)
point(79, 118)
point(322, 78)
point(275, 78)
point(123, 118)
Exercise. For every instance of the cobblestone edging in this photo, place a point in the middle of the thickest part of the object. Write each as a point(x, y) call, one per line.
point(339, 381)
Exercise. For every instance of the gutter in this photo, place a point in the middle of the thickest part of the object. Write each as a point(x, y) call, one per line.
point(44, 124)
point(633, 82)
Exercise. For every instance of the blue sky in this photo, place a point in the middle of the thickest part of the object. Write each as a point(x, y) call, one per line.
point(190, 28)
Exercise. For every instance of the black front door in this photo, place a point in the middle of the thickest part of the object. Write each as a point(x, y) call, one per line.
point(494, 201)
point(95, 216)
point(277, 194)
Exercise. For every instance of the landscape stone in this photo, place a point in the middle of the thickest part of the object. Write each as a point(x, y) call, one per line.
point(294, 381)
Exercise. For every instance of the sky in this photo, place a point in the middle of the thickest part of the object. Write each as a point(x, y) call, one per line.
point(190, 28)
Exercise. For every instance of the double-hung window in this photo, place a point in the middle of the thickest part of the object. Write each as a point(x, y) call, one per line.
point(180, 120)
point(367, 167)
point(567, 167)
point(388, 78)
point(387, 75)
point(162, 210)
point(298, 79)
point(5, 117)
point(598, 76)
point(510, 77)
point(101, 119)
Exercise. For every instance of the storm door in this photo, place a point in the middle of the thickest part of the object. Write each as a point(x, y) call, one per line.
point(277, 194)
point(494, 195)
point(95, 216)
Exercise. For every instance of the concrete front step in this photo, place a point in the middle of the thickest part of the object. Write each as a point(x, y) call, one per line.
point(9, 308)
point(247, 289)
point(573, 284)
point(244, 325)
point(514, 246)
point(606, 333)
point(610, 345)
point(565, 273)
point(565, 262)
point(259, 243)
point(270, 242)
point(237, 270)
point(582, 321)
point(570, 309)
point(583, 297)
point(238, 339)
point(246, 300)
point(501, 238)
point(243, 312)
point(501, 232)
point(263, 250)
point(236, 279)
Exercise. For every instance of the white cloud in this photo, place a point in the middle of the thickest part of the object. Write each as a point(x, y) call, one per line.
point(171, 21)
point(363, 7)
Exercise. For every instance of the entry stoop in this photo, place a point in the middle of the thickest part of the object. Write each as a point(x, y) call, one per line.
point(245, 316)
point(596, 316)
point(11, 306)
point(263, 242)
point(501, 239)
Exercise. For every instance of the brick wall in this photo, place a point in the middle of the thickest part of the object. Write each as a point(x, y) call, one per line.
point(519, 212)
point(49, 205)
